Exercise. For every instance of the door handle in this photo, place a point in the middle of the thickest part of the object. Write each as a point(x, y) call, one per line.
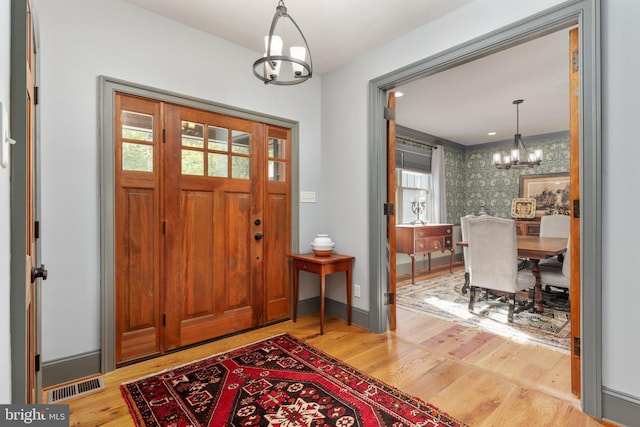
point(258, 236)
point(39, 272)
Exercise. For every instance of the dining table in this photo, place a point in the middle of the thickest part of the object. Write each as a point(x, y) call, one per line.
point(536, 248)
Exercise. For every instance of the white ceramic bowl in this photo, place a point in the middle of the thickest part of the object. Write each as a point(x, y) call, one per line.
point(322, 239)
point(322, 247)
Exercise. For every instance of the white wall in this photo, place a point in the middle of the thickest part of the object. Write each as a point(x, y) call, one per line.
point(81, 40)
point(5, 241)
point(621, 203)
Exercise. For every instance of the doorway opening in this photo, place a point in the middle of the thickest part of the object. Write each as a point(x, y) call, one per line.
point(574, 13)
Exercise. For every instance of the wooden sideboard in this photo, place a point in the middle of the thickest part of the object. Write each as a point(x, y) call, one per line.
point(423, 240)
point(528, 228)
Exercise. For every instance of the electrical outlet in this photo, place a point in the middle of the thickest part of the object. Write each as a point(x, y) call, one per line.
point(356, 291)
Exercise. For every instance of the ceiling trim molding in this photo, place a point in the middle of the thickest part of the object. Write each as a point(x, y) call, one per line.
point(425, 138)
point(531, 139)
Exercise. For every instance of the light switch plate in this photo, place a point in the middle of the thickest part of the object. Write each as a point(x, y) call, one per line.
point(307, 197)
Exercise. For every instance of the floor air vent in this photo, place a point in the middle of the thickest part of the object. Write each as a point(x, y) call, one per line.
point(75, 389)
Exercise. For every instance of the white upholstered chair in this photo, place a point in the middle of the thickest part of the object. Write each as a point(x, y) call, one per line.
point(493, 249)
point(464, 232)
point(554, 226)
point(558, 277)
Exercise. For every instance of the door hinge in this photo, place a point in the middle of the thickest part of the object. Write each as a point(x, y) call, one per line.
point(389, 114)
point(164, 136)
point(389, 298)
point(36, 97)
point(576, 346)
point(576, 208)
point(36, 229)
point(575, 58)
point(164, 319)
point(164, 227)
point(37, 363)
point(389, 209)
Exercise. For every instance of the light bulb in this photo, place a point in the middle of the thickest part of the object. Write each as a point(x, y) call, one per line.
point(298, 52)
point(272, 68)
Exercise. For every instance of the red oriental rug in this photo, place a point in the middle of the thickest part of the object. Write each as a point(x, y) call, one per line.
point(280, 382)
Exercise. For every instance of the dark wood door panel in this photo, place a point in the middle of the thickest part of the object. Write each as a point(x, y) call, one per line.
point(211, 288)
point(138, 228)
point(277, 244)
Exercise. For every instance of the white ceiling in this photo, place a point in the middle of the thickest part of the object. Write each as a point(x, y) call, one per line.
point(464, 103)
point(460, 104)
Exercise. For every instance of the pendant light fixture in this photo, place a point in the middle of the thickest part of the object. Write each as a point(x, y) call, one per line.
point(282, 69)
point(519, 157)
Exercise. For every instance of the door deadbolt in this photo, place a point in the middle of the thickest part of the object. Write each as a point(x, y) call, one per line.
point(258, 236)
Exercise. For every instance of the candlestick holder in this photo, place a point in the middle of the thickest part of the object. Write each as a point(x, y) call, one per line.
point(417, 208)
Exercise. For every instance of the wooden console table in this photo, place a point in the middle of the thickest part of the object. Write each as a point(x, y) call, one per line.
point(528, 227)
point(323, 266)
point(423, 240)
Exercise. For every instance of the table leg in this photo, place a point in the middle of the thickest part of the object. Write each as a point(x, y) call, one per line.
point(322, 280)
point(537, 293)
point(451, 260)
point(429, 256)
point(349, 295)
point(413, 268)
point(295, 292)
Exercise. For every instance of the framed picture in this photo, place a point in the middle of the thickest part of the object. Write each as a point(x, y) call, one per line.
point(523, 208)
point(550, 191)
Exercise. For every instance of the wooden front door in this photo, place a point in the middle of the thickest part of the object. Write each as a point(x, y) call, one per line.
point(203, 225)
point(214, 213)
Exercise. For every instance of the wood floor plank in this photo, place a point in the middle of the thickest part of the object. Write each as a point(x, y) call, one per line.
point(474, 396)
point(521, 406)
point(480, 379)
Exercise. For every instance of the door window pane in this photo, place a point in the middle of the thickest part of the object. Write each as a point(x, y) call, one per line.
point(192, 162)
point(240, 141)
point(137, 157)
point(218, 138)
point(137, 126)
point(240, 167)
point(218, 165)
point(192, 134)
point(277, 171)
point(277, 148)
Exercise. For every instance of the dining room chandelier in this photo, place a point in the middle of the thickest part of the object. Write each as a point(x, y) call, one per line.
point(518, 157)
point(278, 68)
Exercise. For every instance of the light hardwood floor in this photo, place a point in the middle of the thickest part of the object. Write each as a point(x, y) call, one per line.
point(478, 378)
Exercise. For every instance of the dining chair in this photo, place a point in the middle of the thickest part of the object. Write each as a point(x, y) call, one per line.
point(554, 226)
point(464, 234)
point(551, 276)
point(493, 249)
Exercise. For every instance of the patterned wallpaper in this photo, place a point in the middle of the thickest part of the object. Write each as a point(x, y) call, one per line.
point(473, 181)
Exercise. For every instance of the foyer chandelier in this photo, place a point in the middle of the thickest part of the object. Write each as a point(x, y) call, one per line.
point(519, 157)
point(282, 69)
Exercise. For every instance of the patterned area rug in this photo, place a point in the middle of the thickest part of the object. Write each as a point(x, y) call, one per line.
point(441, 296)
point(281, 382)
